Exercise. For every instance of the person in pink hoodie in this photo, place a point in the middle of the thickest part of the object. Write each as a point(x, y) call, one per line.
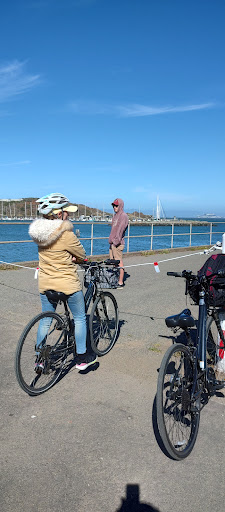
point(116, 237)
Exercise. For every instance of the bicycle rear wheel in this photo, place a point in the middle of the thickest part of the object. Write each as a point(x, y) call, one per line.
point(103, 323)
point(52, 354)
point(212, 337)
point(177, 418)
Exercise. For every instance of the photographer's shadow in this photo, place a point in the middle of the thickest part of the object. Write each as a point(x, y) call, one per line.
point(126, 276)
point(132, 501)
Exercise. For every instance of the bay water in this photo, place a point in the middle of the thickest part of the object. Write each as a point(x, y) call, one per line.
point(139, 238)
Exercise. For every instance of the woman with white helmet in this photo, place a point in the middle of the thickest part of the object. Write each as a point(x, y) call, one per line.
point(59, 249)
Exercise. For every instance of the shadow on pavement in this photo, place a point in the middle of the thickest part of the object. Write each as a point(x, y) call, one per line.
point(126, 276)
point(132, 501)
point(180, 337)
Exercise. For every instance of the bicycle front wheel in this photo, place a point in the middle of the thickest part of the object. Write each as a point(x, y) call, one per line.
point(103, 323)
point(177, 417)
point(34, 379)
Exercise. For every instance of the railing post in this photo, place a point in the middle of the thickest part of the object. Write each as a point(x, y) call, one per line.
point(172, 236)
point(128, 237)
point(152, 236)
point(210, 234)
point(190, 234)
point(92, 233)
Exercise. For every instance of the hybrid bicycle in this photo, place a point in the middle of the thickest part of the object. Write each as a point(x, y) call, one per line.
point(187, 376)
point(59, 342)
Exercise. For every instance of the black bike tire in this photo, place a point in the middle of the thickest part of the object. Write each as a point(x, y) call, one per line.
point(30, 390)
point(95, 304)
point(171, 450)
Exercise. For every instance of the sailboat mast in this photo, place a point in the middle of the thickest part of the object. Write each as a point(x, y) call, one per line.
point(158, 209)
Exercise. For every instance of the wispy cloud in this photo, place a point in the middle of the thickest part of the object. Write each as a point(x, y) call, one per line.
point(14, 80)
point(137, 110)
point(11, 164)
point(132, 110)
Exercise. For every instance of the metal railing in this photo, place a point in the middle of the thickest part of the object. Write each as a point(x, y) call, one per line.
point(172, 234)
point(150, 236)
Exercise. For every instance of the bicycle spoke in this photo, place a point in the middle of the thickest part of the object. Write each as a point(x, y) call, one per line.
point(178, 425)
point(38, 367)
point(103, 323)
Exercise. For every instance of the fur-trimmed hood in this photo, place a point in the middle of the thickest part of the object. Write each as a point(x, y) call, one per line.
point(45, 232)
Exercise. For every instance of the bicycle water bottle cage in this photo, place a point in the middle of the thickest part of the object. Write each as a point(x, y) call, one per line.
point(55, 297)
point(183, 320)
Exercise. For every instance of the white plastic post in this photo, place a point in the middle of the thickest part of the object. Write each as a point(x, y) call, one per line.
point(223, 243)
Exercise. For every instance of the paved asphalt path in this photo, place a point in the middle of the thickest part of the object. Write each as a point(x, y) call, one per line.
point(88, 444)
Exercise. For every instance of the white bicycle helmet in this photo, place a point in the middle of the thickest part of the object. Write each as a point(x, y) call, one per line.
point(51, 202)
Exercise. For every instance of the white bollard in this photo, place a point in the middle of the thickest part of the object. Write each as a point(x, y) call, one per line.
point(223, 243)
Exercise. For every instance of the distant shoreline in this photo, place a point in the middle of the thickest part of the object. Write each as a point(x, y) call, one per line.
point(163, 222)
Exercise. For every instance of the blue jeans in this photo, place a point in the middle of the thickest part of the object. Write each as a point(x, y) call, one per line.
point(77, 308)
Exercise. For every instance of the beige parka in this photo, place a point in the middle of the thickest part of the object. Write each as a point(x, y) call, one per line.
point(57, 244)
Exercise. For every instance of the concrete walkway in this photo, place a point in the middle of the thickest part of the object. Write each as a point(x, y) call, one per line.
point(88, 444)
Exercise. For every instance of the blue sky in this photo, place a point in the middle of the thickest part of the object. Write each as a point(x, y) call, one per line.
point(114, 98)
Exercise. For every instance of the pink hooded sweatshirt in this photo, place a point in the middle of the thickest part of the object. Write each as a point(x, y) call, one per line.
point(119, 226)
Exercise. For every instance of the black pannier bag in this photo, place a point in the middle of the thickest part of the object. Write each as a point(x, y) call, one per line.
point(108, 277)
point(217, 284)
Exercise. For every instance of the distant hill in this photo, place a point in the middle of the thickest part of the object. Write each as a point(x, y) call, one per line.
point(27, 207)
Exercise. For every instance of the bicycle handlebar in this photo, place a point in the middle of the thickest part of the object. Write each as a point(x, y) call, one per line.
point(175, 274)
point(187, 274)
point(108, 262)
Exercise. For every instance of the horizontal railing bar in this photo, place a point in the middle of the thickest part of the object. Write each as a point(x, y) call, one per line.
point(131, 236)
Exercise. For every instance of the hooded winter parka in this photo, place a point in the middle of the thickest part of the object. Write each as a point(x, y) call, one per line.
point(57, 244)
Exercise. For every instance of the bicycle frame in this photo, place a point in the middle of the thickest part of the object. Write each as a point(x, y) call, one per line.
point(199, 349)
point(201, 331)
point(188, 372)
point(90, 292)
point(199, 354)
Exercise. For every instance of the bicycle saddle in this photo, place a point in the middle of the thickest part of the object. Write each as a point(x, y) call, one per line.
point(54, 296)
point(183, 320)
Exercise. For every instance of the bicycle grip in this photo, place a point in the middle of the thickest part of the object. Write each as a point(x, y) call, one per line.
point(175, 274)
